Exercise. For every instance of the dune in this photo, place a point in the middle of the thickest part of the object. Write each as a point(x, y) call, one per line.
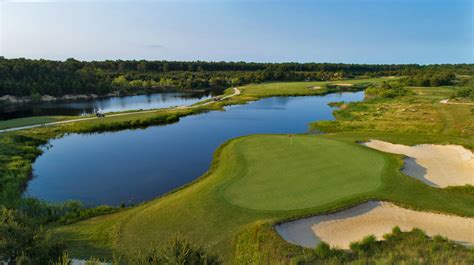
point(373, 218)
point(436, 165)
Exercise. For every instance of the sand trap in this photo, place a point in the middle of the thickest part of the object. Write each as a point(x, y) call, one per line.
point(314, 87)
point(436, 165)
point(344, 84)
point(373, 218)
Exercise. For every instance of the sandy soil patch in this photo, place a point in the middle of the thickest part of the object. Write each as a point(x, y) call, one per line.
point(436, 165)
point(344, 84)
point(446, 101)
point(373, 218)
point(314, 87)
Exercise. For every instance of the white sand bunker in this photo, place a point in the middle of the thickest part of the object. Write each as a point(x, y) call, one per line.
point(344, 84)
point(436, 165)
point(373, 218)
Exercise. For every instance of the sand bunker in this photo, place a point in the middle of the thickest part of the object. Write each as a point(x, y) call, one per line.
point(436, 165)
point(373, 218)
point(344, 84)
point(314, 87)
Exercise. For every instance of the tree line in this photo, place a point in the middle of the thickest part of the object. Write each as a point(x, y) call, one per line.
point(27, 77)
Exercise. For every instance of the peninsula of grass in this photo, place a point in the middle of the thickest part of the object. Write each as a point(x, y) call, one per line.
point(253, 181)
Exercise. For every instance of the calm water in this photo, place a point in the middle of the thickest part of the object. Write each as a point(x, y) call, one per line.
point(137, 165)
point(84, 107)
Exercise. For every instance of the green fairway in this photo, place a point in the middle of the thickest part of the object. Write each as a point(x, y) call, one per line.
point(285, 174)
point(202, 210)
point(301, 88)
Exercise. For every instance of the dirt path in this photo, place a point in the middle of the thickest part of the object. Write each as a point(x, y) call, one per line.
point(373, 218)
point(446, 101)
point(236, 92)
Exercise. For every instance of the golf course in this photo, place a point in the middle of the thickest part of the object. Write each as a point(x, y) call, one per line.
point(240, 190)
point(258, 181)
point(201, 132)
point(263, 197)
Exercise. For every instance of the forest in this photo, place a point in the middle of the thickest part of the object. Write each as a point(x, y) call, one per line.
point(32, 78)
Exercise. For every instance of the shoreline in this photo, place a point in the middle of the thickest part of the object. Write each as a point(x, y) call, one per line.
point(9, 100)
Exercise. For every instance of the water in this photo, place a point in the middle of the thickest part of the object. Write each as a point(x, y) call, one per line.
point(133, 166)
point(111, 104)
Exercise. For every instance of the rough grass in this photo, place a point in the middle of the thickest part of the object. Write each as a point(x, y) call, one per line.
point(200, 212)
point(419, 112)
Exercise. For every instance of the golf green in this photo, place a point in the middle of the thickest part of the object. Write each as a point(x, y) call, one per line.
point(288, 173)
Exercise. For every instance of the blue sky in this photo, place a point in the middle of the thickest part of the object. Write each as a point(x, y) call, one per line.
point(351, 31)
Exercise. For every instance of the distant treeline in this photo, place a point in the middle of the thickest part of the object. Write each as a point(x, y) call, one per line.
point(25, 77)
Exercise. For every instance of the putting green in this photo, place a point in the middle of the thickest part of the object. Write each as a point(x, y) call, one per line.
point(303, 171)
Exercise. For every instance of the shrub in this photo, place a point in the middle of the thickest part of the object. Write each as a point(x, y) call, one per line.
point(178, 250)
point(323, 250)
point(466, 92)
point(365, 246)
point(24, 242)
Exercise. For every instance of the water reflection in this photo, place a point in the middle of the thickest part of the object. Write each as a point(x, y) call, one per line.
point(137, 165)
point(113, 104)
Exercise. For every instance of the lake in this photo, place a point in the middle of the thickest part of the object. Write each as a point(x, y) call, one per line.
point(109, 104)
point(133, 166)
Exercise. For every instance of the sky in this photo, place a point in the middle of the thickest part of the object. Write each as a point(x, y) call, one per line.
point(338, 31)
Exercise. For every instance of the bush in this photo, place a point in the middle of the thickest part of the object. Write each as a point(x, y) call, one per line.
point(386, 90)
point(24, 242)
point(466, 92)
point(413, 247)
point(365, 246)
point(323, 250)
point(177, 251)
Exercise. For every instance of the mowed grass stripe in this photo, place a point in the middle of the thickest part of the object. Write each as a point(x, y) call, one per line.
point(303, 171)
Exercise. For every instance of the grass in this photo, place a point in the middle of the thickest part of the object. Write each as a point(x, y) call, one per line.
point(419, 112)
point(306, 176)
point(301, 88)
point(204, 211)
point(6, 124)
